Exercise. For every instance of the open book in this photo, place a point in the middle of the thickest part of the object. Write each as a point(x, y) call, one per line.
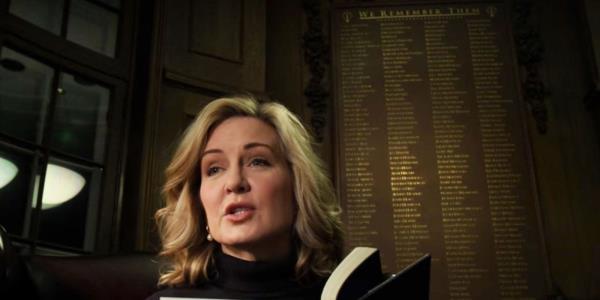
point(359, 276)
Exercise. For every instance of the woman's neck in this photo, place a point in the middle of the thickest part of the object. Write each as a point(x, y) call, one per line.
point(264, 252)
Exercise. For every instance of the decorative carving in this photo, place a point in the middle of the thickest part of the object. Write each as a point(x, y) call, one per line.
point(529, 55)
point(316, 56)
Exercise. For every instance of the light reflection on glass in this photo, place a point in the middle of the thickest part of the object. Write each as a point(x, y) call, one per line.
point(60, 185)
point(8, 172)
point(16, 167)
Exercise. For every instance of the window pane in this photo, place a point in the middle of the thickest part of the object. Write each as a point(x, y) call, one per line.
point(79, 126)
point(25, 86)
point(46, 14)
point(15, 178)
point(69, 204)
point(93, 27)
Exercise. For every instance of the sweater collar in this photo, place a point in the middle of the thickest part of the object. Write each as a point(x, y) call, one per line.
point(249, 276)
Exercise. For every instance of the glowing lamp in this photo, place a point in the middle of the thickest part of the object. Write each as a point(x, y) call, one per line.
point(8, 172)
point(61, 185)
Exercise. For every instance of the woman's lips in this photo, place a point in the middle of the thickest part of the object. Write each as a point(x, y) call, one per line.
point(239, 213)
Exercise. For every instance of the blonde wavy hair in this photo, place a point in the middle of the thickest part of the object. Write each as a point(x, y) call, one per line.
point(317, 234)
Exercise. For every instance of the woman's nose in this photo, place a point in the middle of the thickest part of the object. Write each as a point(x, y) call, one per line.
point(236, 181)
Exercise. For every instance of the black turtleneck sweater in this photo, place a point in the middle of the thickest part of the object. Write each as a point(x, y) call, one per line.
point(239, 279)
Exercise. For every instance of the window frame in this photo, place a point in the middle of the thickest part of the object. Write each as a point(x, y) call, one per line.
point(118, 66)
point(108, 218)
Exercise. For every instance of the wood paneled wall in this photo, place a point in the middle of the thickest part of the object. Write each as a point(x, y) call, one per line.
point(200, 50)
point(567, 157)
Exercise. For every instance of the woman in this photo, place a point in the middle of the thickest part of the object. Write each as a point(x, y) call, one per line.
point(250, 212)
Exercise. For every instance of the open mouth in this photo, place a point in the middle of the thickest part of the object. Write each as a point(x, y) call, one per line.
point(238, 213)
point(239, 210)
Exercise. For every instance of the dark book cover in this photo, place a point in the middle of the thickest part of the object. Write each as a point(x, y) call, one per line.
point(359, 276)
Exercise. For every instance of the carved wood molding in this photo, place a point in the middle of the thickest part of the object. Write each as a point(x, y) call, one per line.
point(316, 56)
point(530, 53)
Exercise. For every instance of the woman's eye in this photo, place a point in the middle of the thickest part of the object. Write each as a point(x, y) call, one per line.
point(259, 162)
point(212, 170)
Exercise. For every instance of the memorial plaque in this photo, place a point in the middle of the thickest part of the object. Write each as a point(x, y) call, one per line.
point(432, 151)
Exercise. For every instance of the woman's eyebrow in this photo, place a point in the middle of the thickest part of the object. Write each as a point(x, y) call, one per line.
point(210, 151)
point(246, 147)
point(256, 144)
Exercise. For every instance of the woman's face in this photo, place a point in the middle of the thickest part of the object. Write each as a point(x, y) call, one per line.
point(246, 190)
